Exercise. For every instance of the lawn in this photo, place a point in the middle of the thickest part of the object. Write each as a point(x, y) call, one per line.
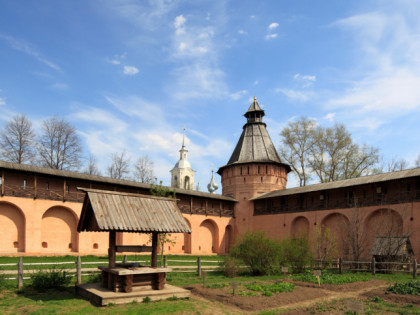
point(29, 301)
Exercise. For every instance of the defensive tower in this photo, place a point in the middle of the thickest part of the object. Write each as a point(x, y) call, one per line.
point(254, 168)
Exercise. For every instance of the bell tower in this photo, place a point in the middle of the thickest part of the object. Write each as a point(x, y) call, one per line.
point(254, 168)
point(182, 175)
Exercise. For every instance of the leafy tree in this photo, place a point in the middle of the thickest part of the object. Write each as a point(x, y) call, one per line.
point(143, 170)
point(120, 166)
point(325, 245)
point(59, 145)
point(17, 141)
point(328, 154)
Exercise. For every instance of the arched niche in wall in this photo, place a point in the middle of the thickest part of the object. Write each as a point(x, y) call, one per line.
point(208, 237)
point(228, 238)
point(59, 230)
point(300, 226)
point(12, 228)
point(384, 222)
point(337, 224)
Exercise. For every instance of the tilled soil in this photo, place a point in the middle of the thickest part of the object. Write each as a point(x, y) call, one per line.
point(304, 295)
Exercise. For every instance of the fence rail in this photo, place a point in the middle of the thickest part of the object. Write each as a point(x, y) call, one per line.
point(78, 271)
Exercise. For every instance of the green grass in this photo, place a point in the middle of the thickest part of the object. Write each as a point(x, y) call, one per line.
point(66, 302)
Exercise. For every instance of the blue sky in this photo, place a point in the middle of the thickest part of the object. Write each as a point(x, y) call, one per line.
point(130, 74)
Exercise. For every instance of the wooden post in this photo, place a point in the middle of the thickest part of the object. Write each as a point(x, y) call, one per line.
point(20, 273)
point(79, 270)
point(199, 266)
point(414, 269)
point(35, 186)
point(373, 266)
point(64, 190)
point(165, 263)
point(125, 259)
point(340, 265)
point(112, 249)
point(2, 182)
point(154, 249)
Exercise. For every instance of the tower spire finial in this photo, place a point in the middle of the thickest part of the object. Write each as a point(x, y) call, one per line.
point(183, 138)
point(255, 98)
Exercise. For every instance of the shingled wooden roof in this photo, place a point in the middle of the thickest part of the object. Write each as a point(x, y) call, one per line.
point(254, 144)
point(124, 212)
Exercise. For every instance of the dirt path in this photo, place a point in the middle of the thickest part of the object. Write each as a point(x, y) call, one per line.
point(304, 296)
point(329, 296)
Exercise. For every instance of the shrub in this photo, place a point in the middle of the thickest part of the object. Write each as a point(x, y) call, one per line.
point(259, 252)
point(147, 299)
point(412, 287)
point(230, 266)
point(50, 279)
point(297, 253)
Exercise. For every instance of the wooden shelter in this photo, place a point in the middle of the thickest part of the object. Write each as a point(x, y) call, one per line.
point(110, 211)
point(395, 248)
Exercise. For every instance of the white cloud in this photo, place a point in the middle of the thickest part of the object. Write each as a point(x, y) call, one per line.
point(242, 32)
point(237, 95)
point(59, 86)
point(270, 36)
point(306, 80)
point(273, 26)
point(329, 116)
point(179, 23)
point(2, 101)
point(130, 70)
point(199, 80)
point(23, 46)
point(296, 95)
point(388, 46)
point(395, 92)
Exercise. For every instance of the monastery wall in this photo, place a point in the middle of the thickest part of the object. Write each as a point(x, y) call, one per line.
point(49, 227)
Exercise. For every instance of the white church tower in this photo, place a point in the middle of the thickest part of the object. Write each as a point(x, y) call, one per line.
point(182, 174)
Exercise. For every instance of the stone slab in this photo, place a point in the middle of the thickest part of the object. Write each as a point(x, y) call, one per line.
point(103, 296)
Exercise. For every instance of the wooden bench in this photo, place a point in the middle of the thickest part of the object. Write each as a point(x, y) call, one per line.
point(120, 279)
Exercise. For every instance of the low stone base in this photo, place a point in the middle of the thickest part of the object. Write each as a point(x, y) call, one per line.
point(102, 296)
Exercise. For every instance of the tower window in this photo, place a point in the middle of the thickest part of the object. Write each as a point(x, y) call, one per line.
point(248, 170)
point(24, 184)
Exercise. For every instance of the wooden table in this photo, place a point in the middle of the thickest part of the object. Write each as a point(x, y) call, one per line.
point(120, 279)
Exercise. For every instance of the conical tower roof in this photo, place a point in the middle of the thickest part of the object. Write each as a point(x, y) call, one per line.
point(255, 144)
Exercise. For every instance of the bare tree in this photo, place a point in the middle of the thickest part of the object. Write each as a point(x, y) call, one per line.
point(17, 140)
point(417, 161)
point(120, 166)
point(143, 170)
point(326, 153)
point(354, 236)
point(396, 164)
point(59, 145)
point(92, 166)
point(297, 140)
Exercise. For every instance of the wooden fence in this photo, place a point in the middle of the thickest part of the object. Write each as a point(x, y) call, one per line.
point(20, 273)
